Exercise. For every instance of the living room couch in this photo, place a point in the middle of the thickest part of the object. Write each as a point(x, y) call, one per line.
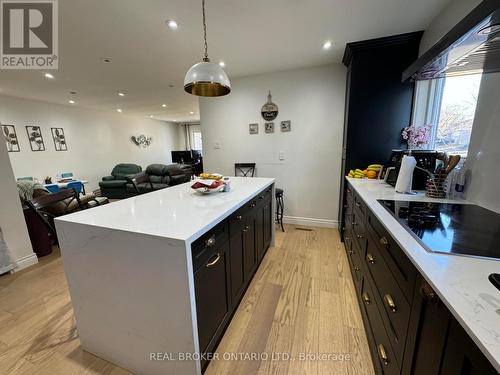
point(159, 176)
point(115, 185)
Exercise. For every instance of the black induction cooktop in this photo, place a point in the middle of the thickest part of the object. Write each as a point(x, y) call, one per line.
point(459, 229)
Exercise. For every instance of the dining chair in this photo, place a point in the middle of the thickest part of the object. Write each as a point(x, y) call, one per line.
point(244, 169)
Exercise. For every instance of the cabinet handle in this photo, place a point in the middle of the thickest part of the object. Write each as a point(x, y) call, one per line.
point(428, 293)
point(210, 241)
point(246, 228)
point(349, 191)
point(384, 242)
point(370, 258)
point(354, 223)
point(359, 236)
point(390, 302)
point(358, 204)
point(382, 353)
point(347, 238)
point(239, 217)
point(253, 205)
point(261, 196)
point(356, 268)
point(366, 298)
point(213, 262)
point(350, 252)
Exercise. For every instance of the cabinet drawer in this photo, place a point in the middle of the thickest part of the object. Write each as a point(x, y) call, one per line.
point(384, 354)
point(349, 193)
point(355, 260)
point(358, 229)
point(395, 309)
point(400, 266)
point(215, 237)
point(265, 195)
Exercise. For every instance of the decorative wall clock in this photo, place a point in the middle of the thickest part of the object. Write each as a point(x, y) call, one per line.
point(269, 110)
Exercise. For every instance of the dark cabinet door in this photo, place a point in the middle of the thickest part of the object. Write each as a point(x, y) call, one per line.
point(462, 356)
point(212, 297)
point(236, 249)
point(250, 255)
point(259, 231)
point(267, 223)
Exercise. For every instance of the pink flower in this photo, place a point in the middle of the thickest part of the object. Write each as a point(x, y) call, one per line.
point(416, 136)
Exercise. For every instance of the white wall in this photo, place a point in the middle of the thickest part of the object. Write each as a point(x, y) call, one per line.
point(11, 215)
point(313, 99)
point(444, 21)
point(97, 140)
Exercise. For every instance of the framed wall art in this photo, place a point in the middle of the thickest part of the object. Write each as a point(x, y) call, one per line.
point(35, 138)
point(253, 128)
point(269, 127)
point(286, 126)
point(59, 139)
point(11, 141)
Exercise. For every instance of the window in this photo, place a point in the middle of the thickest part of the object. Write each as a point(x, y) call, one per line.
point(450, 105)
point(196, 141)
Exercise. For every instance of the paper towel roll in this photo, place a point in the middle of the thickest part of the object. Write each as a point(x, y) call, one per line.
point(405, 176)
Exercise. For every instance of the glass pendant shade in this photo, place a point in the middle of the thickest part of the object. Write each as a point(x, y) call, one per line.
point(207, 79)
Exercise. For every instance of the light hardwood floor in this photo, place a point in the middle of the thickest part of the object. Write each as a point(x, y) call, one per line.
point(301, 300)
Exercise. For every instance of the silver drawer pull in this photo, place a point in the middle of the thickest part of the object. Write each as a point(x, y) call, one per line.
point(347, 238)
point(359, 236)
point(358, 204)
point(350, 252)
point(356, 268)
point(390, 302)
point(213, 262)
point(210, 241)
point(239, 217)
point(370, 258)
point(246, 229)
point(349, 191)
point(382, 353)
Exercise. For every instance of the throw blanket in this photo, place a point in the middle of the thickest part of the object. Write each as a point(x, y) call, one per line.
point(6, 262)
point(27, 188)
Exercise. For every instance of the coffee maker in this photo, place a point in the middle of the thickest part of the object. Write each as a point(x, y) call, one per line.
point(426, 159)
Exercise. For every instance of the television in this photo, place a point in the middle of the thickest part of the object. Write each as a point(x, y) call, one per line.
point(182, 157)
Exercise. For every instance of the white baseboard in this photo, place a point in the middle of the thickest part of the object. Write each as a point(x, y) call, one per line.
point(310, 222)
point(25, 262)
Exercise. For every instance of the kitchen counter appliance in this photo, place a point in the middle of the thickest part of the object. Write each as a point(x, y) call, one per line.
point(426, 159)
point(458, 229)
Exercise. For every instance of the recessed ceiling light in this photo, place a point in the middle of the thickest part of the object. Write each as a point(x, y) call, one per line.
point(172, 24)
point(327, 44)
point(164, 105)
point(49, 76)
point(191, 113)
point(121, 93)
point(72, 92)
point(119, 110)
point(170, 85)
point(71, 101)
point(151, 116)
point(106, 60)
point(222, 64)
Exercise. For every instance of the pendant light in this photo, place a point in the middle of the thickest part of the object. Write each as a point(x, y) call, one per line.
point(206, 78)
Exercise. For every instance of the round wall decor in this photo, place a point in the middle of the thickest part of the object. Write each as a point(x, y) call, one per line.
point(269, 110)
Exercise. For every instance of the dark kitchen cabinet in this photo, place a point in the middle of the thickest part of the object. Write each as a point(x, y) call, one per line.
point(409, 329)
point(212, 295)
point(378, 105)
point(224, 261)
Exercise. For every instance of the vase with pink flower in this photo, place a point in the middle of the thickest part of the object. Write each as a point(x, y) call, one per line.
point(415, 137)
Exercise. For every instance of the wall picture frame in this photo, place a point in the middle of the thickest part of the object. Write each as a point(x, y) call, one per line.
point(59, 138)
point(11, 140)
point(286, 126)
point(269, 127)
point(35, 137)
point(253, 128)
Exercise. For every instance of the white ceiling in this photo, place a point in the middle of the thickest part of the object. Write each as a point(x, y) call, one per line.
point(251, 36)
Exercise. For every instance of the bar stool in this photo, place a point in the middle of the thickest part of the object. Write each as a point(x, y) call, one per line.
point(279, 207)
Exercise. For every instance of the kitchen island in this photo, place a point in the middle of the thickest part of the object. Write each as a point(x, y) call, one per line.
point(154, 279)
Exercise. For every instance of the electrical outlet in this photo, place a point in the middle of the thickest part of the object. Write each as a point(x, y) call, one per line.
point(281, 155)
point(216, 145)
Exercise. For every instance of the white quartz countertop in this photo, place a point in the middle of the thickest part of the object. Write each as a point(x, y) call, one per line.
point(461, 282)
point(176, 212)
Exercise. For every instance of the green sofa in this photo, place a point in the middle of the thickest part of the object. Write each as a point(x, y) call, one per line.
point(115, 186)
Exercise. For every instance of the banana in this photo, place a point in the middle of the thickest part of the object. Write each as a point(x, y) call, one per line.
point(374, 167)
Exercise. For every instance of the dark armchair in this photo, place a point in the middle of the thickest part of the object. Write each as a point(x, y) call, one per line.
point(115, 186)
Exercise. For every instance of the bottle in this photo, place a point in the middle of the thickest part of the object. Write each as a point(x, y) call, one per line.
point(227, 185)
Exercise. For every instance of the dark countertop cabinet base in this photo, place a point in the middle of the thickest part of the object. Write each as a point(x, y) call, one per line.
point(409, 329)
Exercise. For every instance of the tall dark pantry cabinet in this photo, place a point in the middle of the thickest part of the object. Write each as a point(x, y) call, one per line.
point(378, 104)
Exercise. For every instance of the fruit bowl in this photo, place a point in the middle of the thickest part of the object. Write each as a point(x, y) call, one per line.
point(206, 186)
point(207, 190)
